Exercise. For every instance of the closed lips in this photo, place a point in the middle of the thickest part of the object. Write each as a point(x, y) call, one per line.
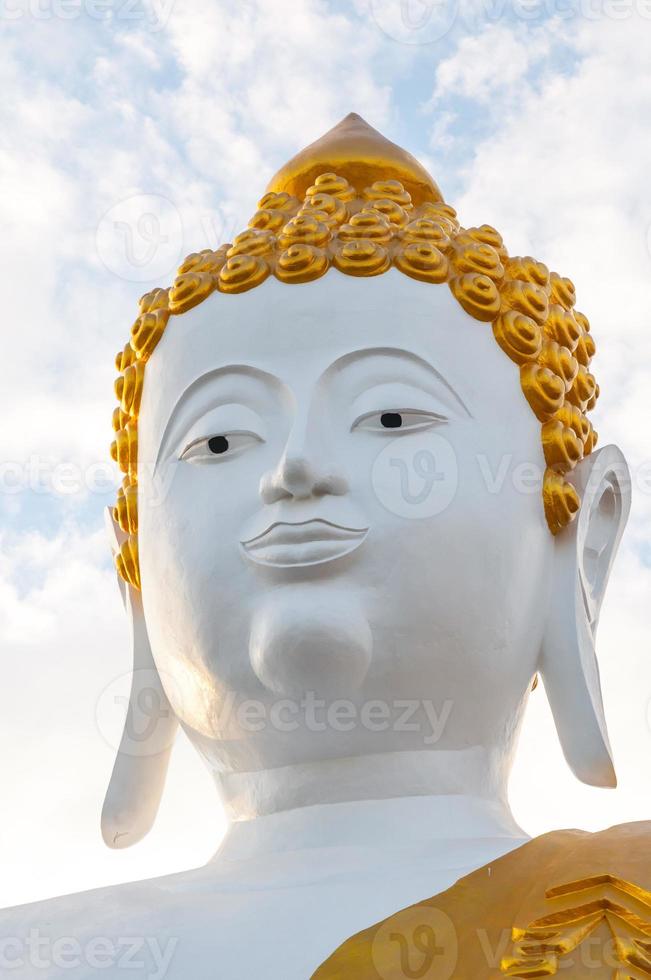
point(306, 543)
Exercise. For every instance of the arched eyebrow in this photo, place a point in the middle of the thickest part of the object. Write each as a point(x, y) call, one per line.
point(358, 356)
point(340, 364)
point(196, 389)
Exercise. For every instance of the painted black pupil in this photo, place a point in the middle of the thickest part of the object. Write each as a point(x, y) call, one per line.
point(391, 420)
point(218, 445)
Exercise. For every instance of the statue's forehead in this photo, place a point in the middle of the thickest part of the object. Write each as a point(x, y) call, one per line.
point(284, 329)
point(296, 332)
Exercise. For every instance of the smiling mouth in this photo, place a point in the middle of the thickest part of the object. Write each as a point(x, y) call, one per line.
point(313, 542)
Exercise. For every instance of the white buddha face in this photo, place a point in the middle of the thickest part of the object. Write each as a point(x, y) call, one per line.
point(340, 501)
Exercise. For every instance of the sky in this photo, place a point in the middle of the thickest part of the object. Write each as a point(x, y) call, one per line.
point(137, 131)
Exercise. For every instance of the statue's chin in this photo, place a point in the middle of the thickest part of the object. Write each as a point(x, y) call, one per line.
point(304, 641)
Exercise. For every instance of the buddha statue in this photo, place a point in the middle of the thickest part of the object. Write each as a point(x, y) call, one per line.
point(362, 512)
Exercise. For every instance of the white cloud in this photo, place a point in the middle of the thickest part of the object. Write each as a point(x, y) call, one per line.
point(493, 65)
point(260, 76)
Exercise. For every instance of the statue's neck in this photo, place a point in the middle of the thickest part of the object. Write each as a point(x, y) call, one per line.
point(450, 794)
point(405, 835)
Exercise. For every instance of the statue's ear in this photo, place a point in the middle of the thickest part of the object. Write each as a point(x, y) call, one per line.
point(584, 554)
point(138, 777)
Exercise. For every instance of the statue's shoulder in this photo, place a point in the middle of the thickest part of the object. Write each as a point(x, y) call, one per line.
point(568, 899)
point(100, 905)
point(134, 925)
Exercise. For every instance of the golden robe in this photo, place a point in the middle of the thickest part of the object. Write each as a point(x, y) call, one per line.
point(568, 903)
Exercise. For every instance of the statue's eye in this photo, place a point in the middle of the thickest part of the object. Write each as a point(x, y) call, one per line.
point(218, 445)
point(407, 420)
point(223, 446)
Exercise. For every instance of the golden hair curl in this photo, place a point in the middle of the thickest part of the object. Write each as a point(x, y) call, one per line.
point(363, 232)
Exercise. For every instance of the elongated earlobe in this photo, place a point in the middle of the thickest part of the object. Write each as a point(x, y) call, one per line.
point(584, 555)
point(140, 769)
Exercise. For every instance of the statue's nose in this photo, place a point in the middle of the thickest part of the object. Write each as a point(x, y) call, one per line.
point(297, 477)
